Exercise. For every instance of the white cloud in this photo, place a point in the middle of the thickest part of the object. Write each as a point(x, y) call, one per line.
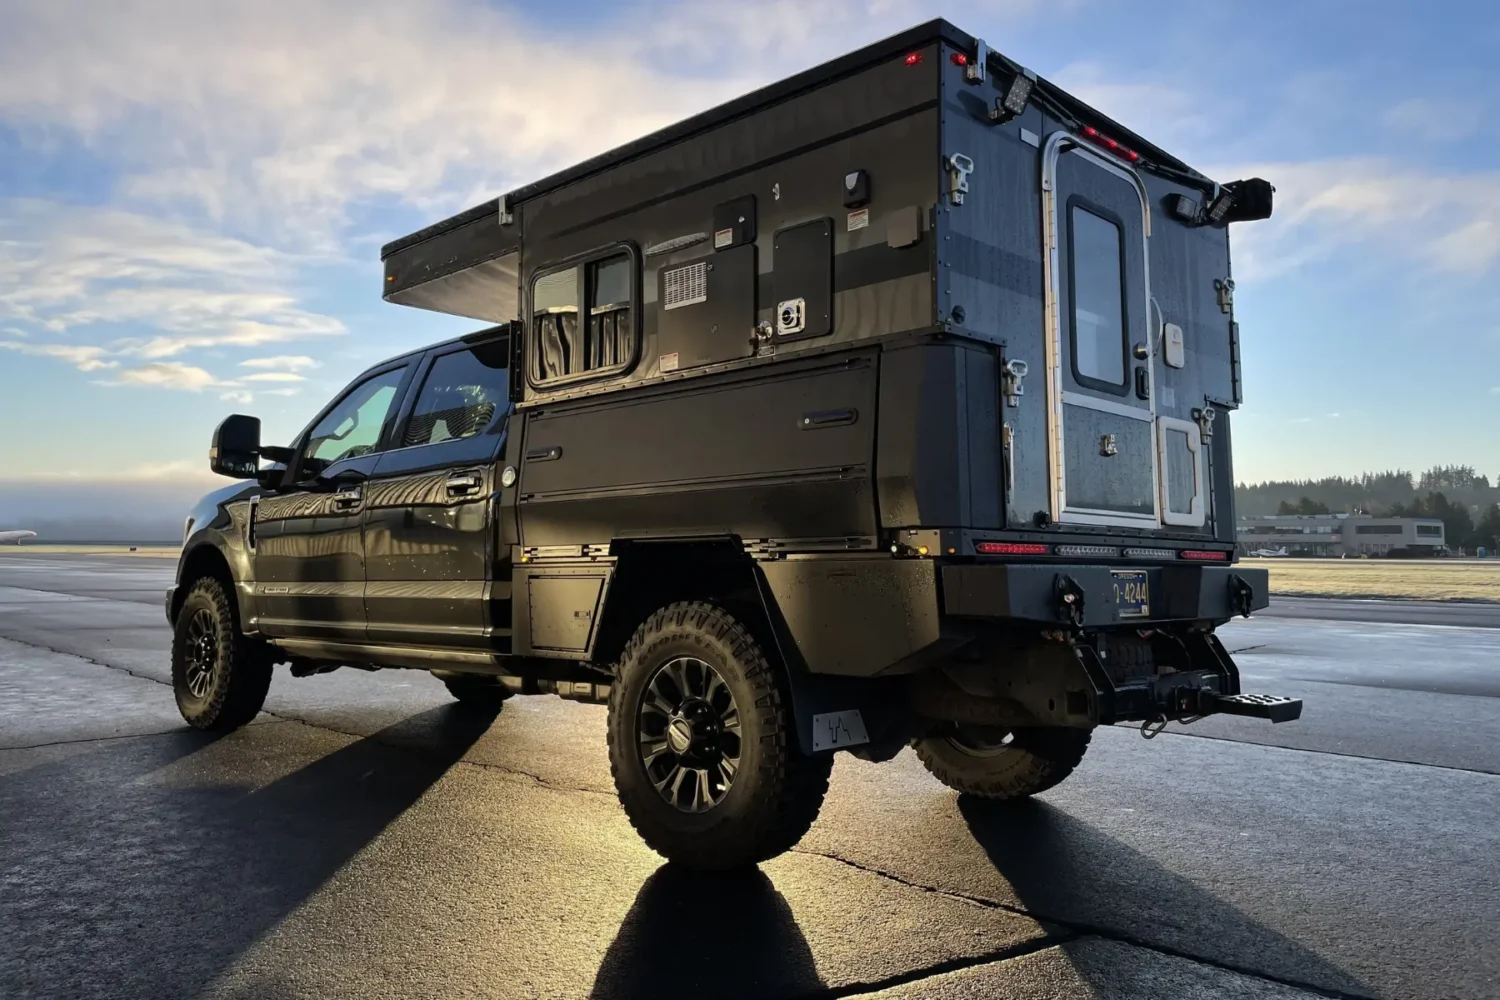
point(1445, 221)
point(289, 362)
point(167, 375)
point(281, 392)
point(1435, 121)
point(238, 396)
point(84, 358)
point(274, 377)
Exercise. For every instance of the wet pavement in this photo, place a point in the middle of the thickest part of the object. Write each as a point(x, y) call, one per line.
point(364, 839)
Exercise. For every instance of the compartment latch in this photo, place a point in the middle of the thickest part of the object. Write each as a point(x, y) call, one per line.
point(959, 169)
point(1205, 421)
point(1015, 373)
point(1225, 288)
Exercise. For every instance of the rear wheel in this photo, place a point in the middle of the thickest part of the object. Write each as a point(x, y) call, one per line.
point(219, 676)
point(1003, 764)
point(483, 693)
point(702, 743)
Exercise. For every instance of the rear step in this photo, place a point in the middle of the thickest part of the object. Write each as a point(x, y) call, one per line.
point(1257, 706)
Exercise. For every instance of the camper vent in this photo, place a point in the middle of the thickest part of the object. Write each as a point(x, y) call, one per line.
point(685, 286)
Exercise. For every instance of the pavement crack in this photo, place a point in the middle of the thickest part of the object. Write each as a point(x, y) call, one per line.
point(1075, 929)
point(1246, 649)
point(945, 967)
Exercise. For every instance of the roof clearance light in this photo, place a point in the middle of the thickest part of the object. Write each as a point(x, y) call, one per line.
point(960, 59)
point(1011, 548)
point(1105, 142)
point(1204, 555)
point(914, 58)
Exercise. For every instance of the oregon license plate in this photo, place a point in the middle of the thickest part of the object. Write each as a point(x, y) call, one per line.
point(1132, 593)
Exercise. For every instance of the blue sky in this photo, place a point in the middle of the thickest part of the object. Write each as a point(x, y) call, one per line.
point(193, 194)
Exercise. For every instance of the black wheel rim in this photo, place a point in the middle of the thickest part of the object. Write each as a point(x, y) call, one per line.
point(688, 726)
point(200, 653)
point(981, 741)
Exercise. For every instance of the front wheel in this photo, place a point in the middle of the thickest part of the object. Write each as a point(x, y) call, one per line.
point(1003, 764)
point(220, 677)
point(703, 746)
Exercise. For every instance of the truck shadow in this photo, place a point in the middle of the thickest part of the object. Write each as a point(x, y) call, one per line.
point(1065, 871)
point(696, 934)
point(143, 868)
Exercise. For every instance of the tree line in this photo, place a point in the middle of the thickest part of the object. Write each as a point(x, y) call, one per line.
point(1459, 496)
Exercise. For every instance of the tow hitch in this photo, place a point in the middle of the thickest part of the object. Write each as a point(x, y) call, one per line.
point(1204, 681)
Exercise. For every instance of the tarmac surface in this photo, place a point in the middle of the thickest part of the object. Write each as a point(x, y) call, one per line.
point(363, 839)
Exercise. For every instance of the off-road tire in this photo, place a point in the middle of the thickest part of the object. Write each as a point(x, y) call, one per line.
point(776, 792)
point(1033, 761)
point(479, 693)
point(240, 671)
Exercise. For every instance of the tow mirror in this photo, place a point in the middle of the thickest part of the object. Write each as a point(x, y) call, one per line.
point(235, 451)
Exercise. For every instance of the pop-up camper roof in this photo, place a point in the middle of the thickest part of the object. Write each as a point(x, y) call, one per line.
point(467, 265)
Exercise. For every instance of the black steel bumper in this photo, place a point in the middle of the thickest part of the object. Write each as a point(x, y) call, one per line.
point(1085, 596)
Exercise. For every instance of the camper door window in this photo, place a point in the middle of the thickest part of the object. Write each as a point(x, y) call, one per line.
point(1098, 280)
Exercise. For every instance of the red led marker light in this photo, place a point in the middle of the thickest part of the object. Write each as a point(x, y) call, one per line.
point(914, 58)
point(1100, 139)
point(959, 59)
point(1203, 555)
point(1011, 548)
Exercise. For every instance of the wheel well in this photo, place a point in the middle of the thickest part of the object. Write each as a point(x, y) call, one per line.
point(204, 561)
point(650, 575)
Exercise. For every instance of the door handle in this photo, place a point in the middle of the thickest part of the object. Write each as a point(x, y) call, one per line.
point(466, 484)
point(346, 499)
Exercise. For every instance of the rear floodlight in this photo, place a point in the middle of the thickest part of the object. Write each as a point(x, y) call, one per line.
point(1242, 201)
point(1012, 103)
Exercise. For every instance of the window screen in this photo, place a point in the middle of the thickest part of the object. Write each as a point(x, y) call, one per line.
point(463, 394)
point(599, 341)
point(1098, 299)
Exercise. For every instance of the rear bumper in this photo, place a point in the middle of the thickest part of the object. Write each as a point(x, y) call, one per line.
point(1036, 593)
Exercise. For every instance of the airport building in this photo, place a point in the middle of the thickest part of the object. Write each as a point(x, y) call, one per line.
point(1335, 535)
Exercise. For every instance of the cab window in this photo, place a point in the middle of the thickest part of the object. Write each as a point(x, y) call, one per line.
point(353, 427)
point(466, 393)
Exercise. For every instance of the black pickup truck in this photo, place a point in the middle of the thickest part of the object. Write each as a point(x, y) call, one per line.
point(886, 406)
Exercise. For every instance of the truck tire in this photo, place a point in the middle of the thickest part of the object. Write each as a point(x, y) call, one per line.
point(702, 745)
point(479, 693)
point(219, 676)
point(1000, 765)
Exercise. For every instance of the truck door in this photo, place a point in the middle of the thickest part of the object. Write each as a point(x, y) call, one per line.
point(429, 533)
point(309, 553)
point(1102, 454)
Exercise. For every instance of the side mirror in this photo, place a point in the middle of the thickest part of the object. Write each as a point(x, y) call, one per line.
point(235, 451)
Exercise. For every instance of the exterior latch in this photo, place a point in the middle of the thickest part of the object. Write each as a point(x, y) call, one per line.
point(1225, 288)
point(1015, 372)
point(959, 169)
point(1205, 418)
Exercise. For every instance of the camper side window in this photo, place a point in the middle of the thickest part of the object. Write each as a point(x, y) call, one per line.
point(1098, 280)
point(583, 318)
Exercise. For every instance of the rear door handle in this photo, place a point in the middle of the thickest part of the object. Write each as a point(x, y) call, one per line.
point(465, 484)
point(346, 499)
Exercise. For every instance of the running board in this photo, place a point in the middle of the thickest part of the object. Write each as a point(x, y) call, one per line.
point(1256, 706)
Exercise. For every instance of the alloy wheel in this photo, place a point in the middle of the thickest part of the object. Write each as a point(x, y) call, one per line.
point(688, 728)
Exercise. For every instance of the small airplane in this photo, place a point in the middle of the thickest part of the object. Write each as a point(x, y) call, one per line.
point(15, 537)
point(1269, 553)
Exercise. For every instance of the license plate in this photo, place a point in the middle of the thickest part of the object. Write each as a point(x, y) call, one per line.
point(1132, 593)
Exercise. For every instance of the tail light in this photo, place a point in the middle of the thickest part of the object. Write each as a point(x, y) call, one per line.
point(1011, 548)
point(1204, 555)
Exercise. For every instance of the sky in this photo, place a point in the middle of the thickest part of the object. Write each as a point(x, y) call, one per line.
point(193, 194)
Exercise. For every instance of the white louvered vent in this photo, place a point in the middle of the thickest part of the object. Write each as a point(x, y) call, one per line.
point(685, 286)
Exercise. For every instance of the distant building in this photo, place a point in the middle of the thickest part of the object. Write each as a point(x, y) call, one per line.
point(1341, 535)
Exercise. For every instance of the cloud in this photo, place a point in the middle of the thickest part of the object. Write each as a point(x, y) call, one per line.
point(290, 362)
point(1434, 121)
point(167, 375)
point(281, 392)
point(84, 358)
point(1445, 221)
point(238, 396)
point(274, 377)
